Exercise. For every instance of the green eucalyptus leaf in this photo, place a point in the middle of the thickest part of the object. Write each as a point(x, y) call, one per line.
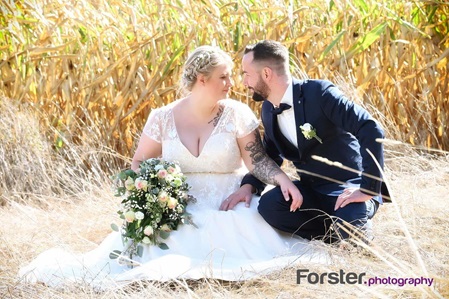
point(164, 235)
point(163, 246)
point(139, 250)
point(120, 191)
point(114, 227)
point(114, 254)
point(122, 175)
point(130, 172)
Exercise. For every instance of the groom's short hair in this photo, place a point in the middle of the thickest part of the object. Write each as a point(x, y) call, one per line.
point(272, 53)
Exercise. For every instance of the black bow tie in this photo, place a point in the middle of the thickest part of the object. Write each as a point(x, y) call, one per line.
point(280, 109)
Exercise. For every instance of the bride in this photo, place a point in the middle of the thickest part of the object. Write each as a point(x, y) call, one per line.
point(212, 138)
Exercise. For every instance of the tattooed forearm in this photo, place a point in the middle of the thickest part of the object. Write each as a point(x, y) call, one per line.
point(215, 120)
point(265, 169)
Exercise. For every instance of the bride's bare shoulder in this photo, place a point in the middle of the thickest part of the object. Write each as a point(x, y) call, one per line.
point(165, 109)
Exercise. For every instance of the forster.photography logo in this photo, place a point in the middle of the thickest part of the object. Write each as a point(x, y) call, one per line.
point(342, 277)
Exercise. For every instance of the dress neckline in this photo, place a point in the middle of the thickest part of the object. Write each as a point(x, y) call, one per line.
point(208, 138)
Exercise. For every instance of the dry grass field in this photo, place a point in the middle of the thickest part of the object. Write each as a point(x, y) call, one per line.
point(107, 63)
point(79, 77)
point(58, 202)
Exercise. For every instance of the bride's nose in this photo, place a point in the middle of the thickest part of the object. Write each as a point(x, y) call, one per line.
point(230, 82)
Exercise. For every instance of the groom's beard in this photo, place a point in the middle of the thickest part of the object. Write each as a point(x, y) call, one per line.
point(257, 97)
point(261, 91)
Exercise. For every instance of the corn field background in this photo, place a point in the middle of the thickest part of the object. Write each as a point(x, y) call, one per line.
point(105, 64)
point(78, 79)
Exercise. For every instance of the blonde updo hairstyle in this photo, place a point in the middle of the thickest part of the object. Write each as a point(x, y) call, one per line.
point(203, 60)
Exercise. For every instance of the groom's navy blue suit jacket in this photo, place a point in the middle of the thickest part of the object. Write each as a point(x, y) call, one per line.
point(347, 132)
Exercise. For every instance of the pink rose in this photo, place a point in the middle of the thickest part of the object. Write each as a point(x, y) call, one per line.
point(162, 173)
point(163, 196)
point(141, 184)
point(129, 183)
point(171, 170)
point(148, 230)
point(130, 216)
point(172, 203)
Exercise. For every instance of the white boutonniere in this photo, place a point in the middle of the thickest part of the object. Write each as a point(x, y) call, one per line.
point(309, 132)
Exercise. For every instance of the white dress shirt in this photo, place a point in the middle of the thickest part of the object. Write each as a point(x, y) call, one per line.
point(286, 119)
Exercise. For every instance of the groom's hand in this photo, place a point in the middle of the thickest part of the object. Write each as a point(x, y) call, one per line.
point(244, 194)
point(350, 195)
point(290, 191)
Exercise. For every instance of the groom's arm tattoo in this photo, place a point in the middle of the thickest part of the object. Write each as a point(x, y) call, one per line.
point(265, 169)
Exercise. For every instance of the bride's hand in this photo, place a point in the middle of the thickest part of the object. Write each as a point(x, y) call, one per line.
point(244, 194)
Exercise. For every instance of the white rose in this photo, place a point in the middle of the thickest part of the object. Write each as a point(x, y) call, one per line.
point(158, 167)
point(129, 183)
point(307, 127)
point(146, 240)
point(139, 215)
point(148, 230)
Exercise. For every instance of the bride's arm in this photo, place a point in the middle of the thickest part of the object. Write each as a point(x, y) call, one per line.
point(147, 148)
point(265, 169)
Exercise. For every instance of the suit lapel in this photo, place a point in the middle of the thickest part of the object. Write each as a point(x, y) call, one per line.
point(298, 104)
point(273, 130)
point(281, 139)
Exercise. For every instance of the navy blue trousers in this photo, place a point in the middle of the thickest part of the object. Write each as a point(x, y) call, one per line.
point(316, 216)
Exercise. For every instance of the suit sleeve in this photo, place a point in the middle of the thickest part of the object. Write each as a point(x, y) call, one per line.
point(357, 121)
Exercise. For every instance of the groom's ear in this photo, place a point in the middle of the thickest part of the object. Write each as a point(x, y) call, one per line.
point(267, 73)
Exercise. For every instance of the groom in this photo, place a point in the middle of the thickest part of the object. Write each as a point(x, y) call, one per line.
point(305, 119)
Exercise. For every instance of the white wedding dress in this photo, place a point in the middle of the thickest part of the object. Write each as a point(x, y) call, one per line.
point(229, 245)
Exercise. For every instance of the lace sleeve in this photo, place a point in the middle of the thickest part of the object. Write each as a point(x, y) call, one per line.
point(245, 119)
point(153, 126)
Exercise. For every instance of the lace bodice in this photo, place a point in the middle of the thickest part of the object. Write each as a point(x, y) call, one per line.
point(218, 169)
point(220, 154)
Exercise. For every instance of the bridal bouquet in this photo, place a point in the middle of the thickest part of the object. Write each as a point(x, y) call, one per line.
point(154, 201)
